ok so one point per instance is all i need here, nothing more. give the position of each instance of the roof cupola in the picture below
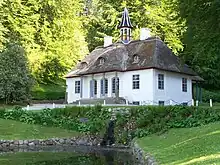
(125, 27)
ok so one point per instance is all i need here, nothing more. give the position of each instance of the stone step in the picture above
(108, 100)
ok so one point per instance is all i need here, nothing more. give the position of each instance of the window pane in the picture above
(115, 84)
(184, 84)
(136, 82)
(161, 102)
(95, 87)
(77, 86)
(160, 81)
(106, 86)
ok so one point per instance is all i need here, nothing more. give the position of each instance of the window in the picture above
(135, 59)
(84, 65)
(93, 88)
(115, 84)
(77, 86)
(104, 86)
(185, 104)
(160, 81)
(101, 60)
(184, 84)
(136, 82)
(161, 103)
(136, 103)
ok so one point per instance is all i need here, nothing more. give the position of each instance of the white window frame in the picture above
(77, 86)
(184, 84)
(136, 81)
(160, 81)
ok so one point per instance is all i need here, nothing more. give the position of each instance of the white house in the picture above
(141, 71)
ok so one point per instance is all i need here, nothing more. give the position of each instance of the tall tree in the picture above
(161, 16)
(202, 38)
(49, 31)
(15, 78)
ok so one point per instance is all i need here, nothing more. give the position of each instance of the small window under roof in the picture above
(84, 64)
(136, 58)
(101, 60)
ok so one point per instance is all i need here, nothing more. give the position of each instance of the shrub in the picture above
(132, 122)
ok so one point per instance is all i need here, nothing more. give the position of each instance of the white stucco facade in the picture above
(148, 92)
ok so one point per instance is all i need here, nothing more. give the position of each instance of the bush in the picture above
(48, 92)
(136, 122)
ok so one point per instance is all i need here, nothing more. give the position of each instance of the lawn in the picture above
(185, 146)
(14, 130)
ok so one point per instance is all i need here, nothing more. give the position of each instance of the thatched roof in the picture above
(151, 53)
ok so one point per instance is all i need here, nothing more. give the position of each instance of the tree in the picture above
(48, 30)
(161, 16)
(202, 38)
(15, 78)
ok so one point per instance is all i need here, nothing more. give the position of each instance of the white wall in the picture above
(145, 93)
(148, 92)
(70, 89)
(172, 88)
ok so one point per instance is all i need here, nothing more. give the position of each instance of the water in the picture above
(69, 156)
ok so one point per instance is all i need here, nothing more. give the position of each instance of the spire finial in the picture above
(125, 27)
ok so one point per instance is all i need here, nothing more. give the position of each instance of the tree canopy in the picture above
(50, 31)
(15, 78)
(55, 34)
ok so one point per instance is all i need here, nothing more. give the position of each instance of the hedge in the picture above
(133, 122)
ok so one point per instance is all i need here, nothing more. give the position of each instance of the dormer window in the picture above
(84, 65)
(136, 59)
(101, 61)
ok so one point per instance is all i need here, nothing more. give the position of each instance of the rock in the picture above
(21, 142)
(61, 141)
(36, 142)
(16, 142)
(26, 142)
(31, 144)
(49, 142)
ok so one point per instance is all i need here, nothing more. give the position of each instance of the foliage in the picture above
(160, 16)
(48, 92)
(202, 38)
(50, 32)
(15, 78)
(134, 122)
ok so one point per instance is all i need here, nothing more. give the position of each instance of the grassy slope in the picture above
(48, 92)
(29, 158)
(185, 146)
(16, 130)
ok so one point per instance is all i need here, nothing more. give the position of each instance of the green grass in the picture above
(32, 157)
(185, 146)
(10, 129)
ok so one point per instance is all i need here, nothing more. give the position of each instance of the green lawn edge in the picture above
(14, 130)
(185, 146)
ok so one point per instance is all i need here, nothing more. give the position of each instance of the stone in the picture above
(26, 142)
(16, 142)
(31, 144)
(61, 141)
(49, 142)
(21, 142)
(36, 142)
